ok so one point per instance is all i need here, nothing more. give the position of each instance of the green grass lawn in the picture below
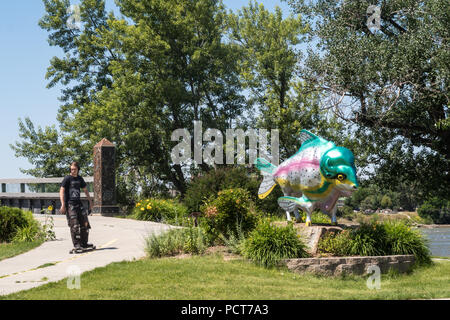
(8, 250)
(210, 277)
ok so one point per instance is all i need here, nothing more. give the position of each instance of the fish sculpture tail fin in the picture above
(268, 182)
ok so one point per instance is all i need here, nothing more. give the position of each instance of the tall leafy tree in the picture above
(136, 78)
(386, 63)
(269, 47)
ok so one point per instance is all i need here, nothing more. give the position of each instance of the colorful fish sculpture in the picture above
(313, 178)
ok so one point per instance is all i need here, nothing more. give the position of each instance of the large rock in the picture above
(336, 266)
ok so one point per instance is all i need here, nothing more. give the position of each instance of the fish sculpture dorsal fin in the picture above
(306, 136)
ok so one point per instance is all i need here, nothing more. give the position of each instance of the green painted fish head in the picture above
(339, 163)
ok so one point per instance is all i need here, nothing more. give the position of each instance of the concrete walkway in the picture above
(116, 240)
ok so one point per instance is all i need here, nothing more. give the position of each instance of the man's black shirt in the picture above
(72, 187)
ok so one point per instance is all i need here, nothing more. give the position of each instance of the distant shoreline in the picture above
(430, 226)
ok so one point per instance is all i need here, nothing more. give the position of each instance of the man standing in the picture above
(71, 205)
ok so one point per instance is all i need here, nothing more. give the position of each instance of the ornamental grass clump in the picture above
(176, 241)
(268, 244)
(369, 240)
(402, 239)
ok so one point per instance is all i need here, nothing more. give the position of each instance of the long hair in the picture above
(76, 164)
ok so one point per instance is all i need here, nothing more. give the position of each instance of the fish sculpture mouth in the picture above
(346, 189)
(347, 193)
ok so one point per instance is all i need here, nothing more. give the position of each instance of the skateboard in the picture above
(82, 250)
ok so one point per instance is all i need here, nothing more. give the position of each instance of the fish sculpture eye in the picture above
(341, 177)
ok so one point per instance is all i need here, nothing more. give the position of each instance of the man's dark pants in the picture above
(79, 224)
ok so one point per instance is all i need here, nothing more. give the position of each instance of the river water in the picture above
(439, 240)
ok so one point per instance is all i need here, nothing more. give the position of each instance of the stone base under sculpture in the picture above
(107, 211)
(356, 265)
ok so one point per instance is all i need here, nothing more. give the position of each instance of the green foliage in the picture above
(383, 97)
(17, 225)
(46, 232)
(235, 240)
(345, 212)
(230, 209)
(175, 241)
(11, 219)
(207, 185)
(437, 209)
(30, 231)
(373, 239)
(401, 239)
(369, 240)
(268, 59)
(370, 202)
(386, 202)
(337, 243)
(268, 244)
(396, 197)
(161, 210)
(49, 153)
(316, 217)
(134, 79)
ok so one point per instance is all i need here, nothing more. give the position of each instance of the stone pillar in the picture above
(105, 179)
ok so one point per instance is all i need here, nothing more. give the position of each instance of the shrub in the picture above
(11, 219)
(437, 209)
(30, 231)
(161, 210)
(345, 212)
(386, 202)
(186, 240)
(229, 209)
(268, 244)
(17, 225)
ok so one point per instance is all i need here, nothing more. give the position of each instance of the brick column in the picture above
(105, 179)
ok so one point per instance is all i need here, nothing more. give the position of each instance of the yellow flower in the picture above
(50, 208)
(149, 207)
(142, 209)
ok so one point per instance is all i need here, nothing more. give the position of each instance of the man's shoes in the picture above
(89, 246)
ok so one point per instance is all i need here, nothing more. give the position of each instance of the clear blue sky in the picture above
(24, 58)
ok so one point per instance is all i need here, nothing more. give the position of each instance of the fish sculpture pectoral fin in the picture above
(291, 203)
(287, 203)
